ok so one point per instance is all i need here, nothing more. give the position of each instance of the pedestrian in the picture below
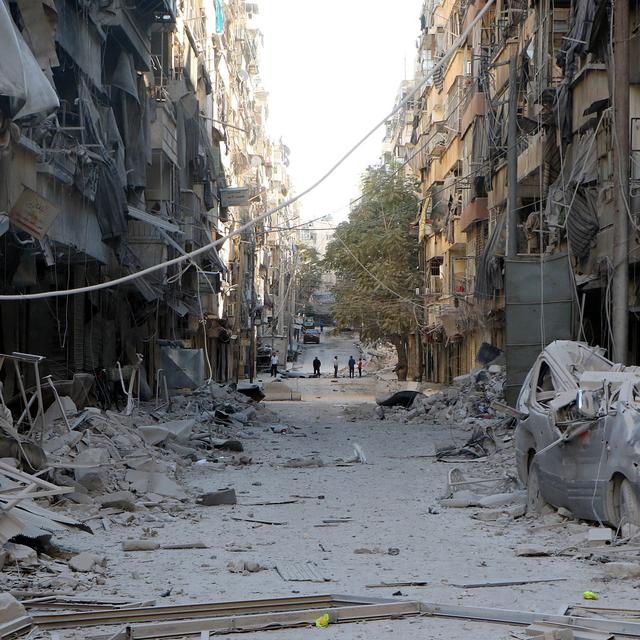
(335, 367)
(352, 367)
(316, 367)
(274, 364)
(360, 365)
(321, 327)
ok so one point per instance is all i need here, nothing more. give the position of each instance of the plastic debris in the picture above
(323, 621)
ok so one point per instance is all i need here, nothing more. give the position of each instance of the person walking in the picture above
(360, 365)
(321, 327)
(335, 367)
(274, 364)
(316, 367)
(352, 367)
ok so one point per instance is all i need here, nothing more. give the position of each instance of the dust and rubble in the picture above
(93, 469)
(291, 511)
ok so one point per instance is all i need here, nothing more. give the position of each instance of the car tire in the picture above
(623, 505)
(535, 502)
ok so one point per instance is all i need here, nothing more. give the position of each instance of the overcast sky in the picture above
(332, 70)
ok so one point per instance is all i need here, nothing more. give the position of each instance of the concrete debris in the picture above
(10, 609)
(302, 463)
(124, 500)
(599, 536)
(20, 554)
(222, 496)
(85, 562)
(622, 570)
(244, 566)
(176, 430)
(531, 551)
(140, 545)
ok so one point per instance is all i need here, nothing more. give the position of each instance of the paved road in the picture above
(343, 346)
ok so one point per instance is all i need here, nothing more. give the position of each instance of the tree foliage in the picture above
(375, 259)
(308, 274)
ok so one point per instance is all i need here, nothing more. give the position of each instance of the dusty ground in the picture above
(387, 501)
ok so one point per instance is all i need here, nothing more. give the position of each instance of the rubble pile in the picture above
(468, 401)
(104, 467)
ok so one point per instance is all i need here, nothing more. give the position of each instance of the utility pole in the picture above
(620, 92)
(252, 310)
(512, 160)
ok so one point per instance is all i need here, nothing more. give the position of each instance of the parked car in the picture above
(312, 336)
(578, 434)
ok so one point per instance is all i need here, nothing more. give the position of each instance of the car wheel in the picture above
(535, 502)
(624, 505)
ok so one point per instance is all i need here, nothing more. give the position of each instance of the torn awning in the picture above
(21, 78)
(154, 220)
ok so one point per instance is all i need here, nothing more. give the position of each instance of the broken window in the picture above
(545, 388)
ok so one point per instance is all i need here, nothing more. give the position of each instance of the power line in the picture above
(216, 243)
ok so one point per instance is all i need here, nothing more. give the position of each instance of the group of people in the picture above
(353, 365)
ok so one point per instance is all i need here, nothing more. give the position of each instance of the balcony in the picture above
(164, 136)
(477, 106)
(475, 211)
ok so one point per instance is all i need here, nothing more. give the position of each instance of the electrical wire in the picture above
(440, 64)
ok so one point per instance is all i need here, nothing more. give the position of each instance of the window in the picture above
(545, 389)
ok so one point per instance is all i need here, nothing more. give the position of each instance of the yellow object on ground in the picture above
(323, 621)
(590, 595)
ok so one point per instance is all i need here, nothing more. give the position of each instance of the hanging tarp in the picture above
(571, 202)
(21, 78)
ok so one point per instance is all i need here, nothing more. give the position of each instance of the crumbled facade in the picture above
(549, 64)
(136, 134)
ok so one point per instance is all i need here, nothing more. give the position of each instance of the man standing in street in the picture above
(352, 367)
(360, 365)
(316, 367)
(335, 367)
(274, 364)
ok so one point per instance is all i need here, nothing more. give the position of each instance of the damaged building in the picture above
(527, 180)
(131, 134)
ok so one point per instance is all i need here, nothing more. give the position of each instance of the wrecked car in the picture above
(578, 434)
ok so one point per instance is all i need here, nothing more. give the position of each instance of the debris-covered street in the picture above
(327, 490)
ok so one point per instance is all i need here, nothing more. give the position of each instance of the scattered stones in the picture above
(85, 562)
(531, 551)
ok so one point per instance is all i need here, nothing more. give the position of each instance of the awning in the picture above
(154, 220)
(212, 253)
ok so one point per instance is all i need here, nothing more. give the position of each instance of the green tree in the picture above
(308, 274)
(375, 260)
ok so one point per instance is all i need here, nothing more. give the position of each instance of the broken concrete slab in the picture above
(86, 562)
(178, 430)
(90, 460)
(154, 482)
(20, 554)
(10, 609)
(622, 570)
(222, 496)
(54, 413)
(599, 536)
(124, 500)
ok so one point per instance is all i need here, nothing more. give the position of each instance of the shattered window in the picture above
(545, 388)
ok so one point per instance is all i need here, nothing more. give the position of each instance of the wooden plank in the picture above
(257, 622)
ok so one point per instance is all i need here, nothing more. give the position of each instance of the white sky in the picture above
(332, 69)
